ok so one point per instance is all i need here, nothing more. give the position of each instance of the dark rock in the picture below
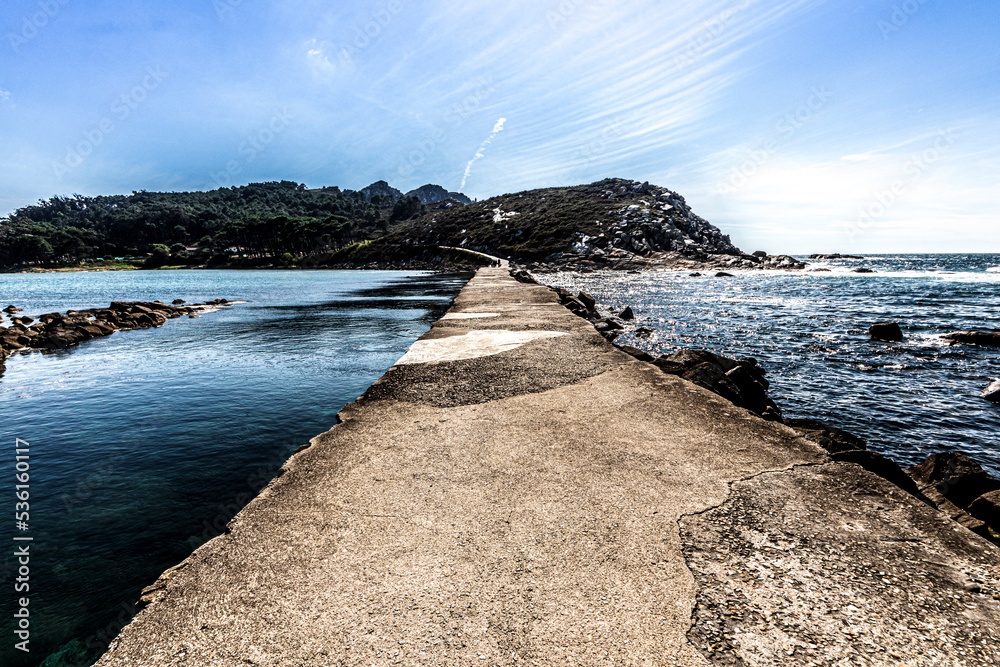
(10, 310)
(694, 275)
(883, 467)
(992, 392)
(587, 300)
(627, 314)
(60, 339)
(753, 395)
(522, 276)
(643, 332)
(755, 369)
(666, 365)
(612, 324)
(987, 508)
(691, 358)
(723, 274)
(759, 253)
(712, 377)
(988, 338)
(835, 255)
(178, 302)
(636, 352)
(864, 270)
(886, 331)
(576, 306)
(830, 438)
(957, 477)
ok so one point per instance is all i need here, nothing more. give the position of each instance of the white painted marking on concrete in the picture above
(477, 343)
(467, 316)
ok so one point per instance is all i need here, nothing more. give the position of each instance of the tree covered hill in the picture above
(285, 222)
(261, 219)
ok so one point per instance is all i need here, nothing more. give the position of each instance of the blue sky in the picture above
(795, 126)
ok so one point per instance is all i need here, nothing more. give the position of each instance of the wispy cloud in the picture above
(497, 129)
(683, 97)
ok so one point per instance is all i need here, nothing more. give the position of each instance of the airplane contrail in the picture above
(482, 147)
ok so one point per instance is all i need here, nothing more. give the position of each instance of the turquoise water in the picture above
(144, 444)
(809, 329)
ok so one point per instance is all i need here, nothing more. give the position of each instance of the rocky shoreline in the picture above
(949, 481)
(58, 331)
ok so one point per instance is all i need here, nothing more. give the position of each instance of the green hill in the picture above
(284, 223)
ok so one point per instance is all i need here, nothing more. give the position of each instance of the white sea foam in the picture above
(993, 269)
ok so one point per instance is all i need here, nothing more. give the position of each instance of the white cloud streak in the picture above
(497, 129)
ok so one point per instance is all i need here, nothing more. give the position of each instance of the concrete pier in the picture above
(517, 491)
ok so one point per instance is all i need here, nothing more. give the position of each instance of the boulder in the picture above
(957, 477)
(863, 270)
(886, 331)
(636, 352)
(753, 395)
(576, 306)
(988, 338)
(587, 300)
(883, 467)
(712, 377)
(723, 274)
(987, 508)
(10, 310)
(668, 366)
(830, 438)
(60, 339)
(835, 255)
(992, 392)
(755, 369)
(694, 275)
(644, 332)
(627, 314)
(178, 302)
(740, 381)
(691, 358)
(759, 253)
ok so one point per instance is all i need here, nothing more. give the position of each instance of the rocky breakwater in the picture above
(655, 227)
(950, 481)
(58, 331)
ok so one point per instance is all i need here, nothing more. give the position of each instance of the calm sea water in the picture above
(145, 443)
(810, 331)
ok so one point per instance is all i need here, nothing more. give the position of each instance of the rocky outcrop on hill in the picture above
(57, 331)
(654, 226)
(381, 188)
(611, 224)
(432, 194)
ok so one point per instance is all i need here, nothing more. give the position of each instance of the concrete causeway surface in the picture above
(517, 491)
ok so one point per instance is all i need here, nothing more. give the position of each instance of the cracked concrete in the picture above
(555, 503)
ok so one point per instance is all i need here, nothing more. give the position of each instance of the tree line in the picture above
(256, 220)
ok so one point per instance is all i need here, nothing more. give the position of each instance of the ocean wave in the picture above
(993, 269)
